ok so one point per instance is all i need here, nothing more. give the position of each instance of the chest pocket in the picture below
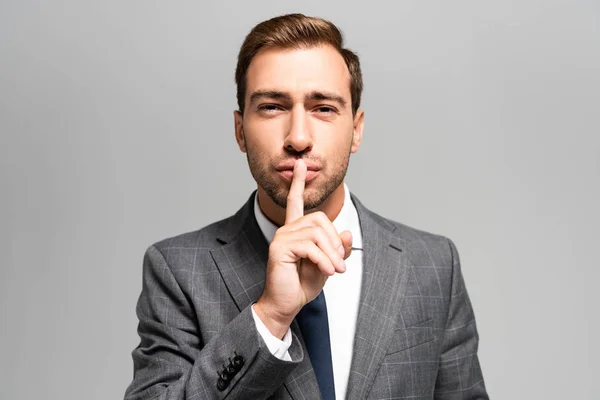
(412, 336)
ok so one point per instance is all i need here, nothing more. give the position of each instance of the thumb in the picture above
(346, 237)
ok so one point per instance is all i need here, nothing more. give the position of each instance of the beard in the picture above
(315, 193)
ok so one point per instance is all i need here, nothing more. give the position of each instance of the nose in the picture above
(299, 138)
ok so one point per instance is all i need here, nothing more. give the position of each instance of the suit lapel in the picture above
(382, 293)
(242, 258)
(242, 261)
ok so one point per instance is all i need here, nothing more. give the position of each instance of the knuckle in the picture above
(319, 233)
(337, 242)
(322, 237)
(307, 245)
(282, 230)
(320, 215)
(328, 236)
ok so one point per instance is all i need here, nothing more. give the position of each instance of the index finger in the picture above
(295, 201)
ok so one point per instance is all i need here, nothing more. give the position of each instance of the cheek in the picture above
(338, 141)
(264, 134)
(261, 148)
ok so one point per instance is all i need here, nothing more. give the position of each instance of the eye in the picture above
(269, 108)
(326, 110)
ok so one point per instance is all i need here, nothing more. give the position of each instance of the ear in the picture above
(238, 121)
(359, 124)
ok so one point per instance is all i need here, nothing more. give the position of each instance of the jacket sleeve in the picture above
(172, 362)
(459, 373)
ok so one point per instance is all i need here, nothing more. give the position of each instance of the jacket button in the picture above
(222, 384)
(230, 370)
(238, 361)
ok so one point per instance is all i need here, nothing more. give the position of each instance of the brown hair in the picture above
(295, 31)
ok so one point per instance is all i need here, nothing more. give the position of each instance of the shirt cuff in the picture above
(277, 347)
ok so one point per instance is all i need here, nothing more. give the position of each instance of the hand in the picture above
(305, 251)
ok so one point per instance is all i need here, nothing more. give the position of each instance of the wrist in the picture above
(276, 324)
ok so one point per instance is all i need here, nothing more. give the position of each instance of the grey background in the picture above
(482, 124)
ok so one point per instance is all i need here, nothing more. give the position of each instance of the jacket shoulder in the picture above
(406, 234)
(205, 238)
(409, 234)
(423, 246)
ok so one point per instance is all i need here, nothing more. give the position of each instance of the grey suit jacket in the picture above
(415, 336)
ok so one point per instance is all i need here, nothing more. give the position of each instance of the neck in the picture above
(331, 206)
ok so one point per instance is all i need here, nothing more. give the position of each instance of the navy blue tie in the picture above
(314, 326)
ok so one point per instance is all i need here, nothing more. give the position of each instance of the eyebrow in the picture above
(269, 94)
(312, 96)
(326, 96)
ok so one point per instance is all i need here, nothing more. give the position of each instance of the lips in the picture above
(286, 170)
(289, 165)
(289, 173)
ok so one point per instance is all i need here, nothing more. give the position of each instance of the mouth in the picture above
(288, 174)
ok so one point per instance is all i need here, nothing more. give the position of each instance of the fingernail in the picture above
(341, 251)
(343, 265)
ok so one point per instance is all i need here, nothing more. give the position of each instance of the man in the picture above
(304, 293)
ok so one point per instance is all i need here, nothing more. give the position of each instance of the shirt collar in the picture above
(347, 219)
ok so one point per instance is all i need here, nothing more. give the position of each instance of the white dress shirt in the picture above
(342, 294)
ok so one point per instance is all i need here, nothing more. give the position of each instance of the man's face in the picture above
(298, 105)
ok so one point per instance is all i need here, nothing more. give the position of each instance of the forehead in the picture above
(299, 71)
